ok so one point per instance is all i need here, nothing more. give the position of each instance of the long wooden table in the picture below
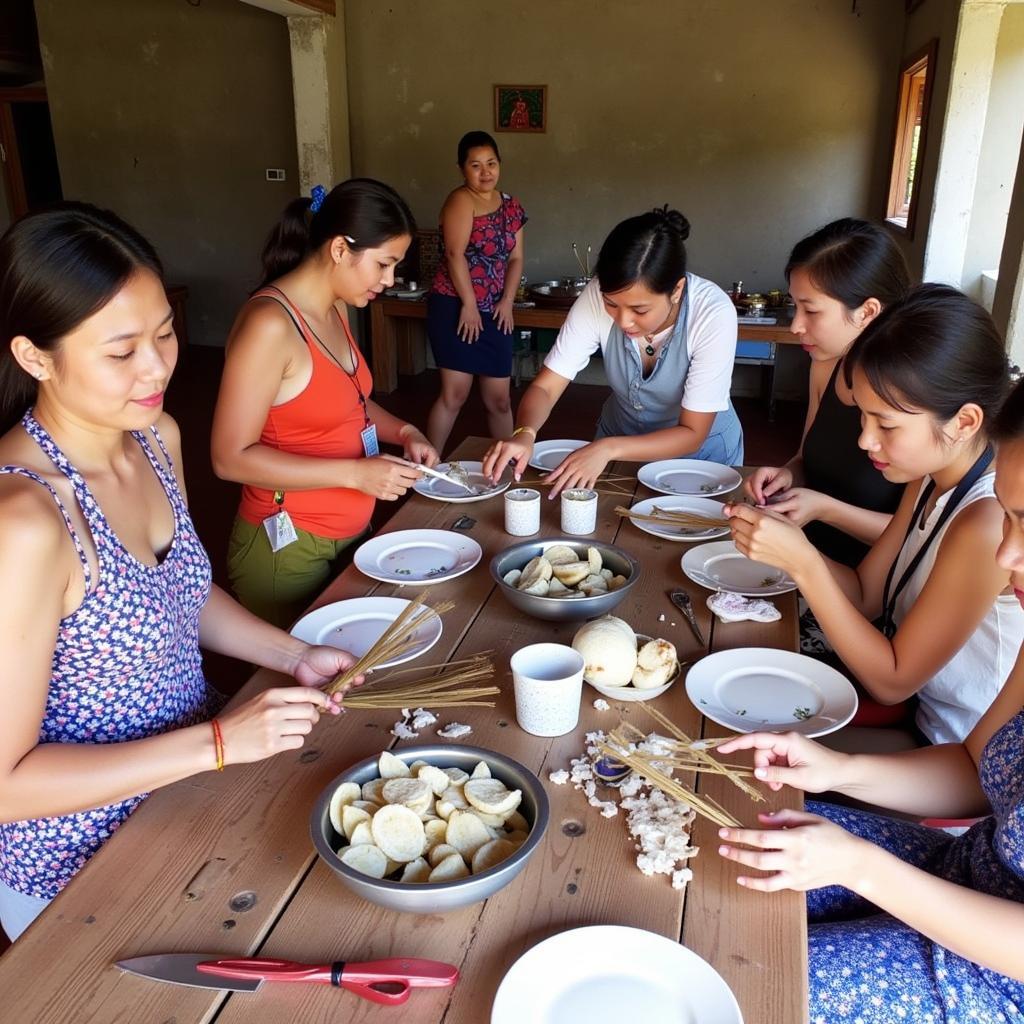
(224, 862)
(395, 348)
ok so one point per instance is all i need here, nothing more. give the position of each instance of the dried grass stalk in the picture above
(675, 517)
(449, 688)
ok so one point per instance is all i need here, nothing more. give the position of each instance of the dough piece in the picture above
(467, 833)
(368, 860)
(492, 854)
(350, 817)
(512, 577)
(435, 778)
(391, 767)
(344, 795)
(439, 852)
(362, 834)
(417, 870)
(560, 554)
(399, 833)
(595, 561)
(492, 796)
(374, 790)
(571, 573)
(450, 869)
(412, 793)
(481, 770)
(536, 569)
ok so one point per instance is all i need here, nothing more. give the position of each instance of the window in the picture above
(908, 147)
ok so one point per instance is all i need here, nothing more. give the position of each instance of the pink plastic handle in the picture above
(268, 969)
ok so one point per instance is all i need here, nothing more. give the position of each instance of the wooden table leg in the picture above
(382, 349)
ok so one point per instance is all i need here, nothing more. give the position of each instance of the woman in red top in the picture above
(295, 424)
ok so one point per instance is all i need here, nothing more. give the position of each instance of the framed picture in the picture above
(520, 108)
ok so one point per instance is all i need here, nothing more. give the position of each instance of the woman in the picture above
(469, 311)
(668, 339)
(928, 375)
(840, 278)
(908, 922)
(295, 424)
(103, 690)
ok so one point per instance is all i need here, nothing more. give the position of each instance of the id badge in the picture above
(280, 530)
(369, 439)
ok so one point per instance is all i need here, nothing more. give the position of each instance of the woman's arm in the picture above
(936, 626)
(456, 229)
(802, 505)
(256, 362)
(803, 851)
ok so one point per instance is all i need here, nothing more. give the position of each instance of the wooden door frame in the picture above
(16, 195)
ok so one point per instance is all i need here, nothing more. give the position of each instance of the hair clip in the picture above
(349, 239)
(319, 194)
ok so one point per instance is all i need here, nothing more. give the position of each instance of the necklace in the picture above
(649, 348)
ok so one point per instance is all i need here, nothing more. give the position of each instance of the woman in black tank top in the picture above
(840, 277)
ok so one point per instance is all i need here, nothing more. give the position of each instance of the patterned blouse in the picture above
(126, 665)
(490, 245)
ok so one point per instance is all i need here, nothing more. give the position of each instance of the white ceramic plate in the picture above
(548, 455)
(719, 566)
(753, 688)
(445, 490)
(357, 624)
(702, 506)
(689, 476)
(609, 974)
(417, 556)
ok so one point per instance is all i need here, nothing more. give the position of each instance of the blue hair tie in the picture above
(319, 194)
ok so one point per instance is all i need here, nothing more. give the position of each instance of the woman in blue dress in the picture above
(668, 342)
(909, 923)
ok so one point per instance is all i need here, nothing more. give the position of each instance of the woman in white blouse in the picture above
(668, 340)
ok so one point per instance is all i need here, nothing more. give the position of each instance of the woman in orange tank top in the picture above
(295, 424)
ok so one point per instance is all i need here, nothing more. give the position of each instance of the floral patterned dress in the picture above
(490, 247)
(126, 665)
(874, 969)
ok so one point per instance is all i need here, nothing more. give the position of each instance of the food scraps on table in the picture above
(454, 731)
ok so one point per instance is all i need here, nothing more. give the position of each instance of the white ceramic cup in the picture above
(579, 511)
(522, 511)
(548, 682)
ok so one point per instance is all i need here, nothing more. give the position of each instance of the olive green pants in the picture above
(279, 585)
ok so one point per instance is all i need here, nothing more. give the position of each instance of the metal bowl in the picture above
(435, 897)
(564, 609)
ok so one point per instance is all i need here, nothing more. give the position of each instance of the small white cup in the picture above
(522, 511)
(548, 682)
(579, 511)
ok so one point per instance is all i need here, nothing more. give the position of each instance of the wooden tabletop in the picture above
(224, 862)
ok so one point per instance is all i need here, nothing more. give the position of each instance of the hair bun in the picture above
(674, 220)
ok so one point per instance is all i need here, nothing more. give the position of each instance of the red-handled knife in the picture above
(388, 982)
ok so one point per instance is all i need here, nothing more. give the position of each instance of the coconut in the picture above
(608, 646)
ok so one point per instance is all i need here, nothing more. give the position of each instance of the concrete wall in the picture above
(760, 121)
(169, 114)
(1000, 150)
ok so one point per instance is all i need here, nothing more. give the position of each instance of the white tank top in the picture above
(953, 700)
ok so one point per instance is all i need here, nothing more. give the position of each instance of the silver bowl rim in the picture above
(573, 542)
(323, 848)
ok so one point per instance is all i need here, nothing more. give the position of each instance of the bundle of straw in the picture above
(618, 485)
(683, 754)
(396, 640)
(444, 689)
(675, 517)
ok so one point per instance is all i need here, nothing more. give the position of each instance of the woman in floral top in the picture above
(469, 311)
(101, 682)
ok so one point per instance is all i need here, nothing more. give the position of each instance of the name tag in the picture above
(369, 439)
(280, 530)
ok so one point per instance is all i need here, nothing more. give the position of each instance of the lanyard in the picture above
(890, 596)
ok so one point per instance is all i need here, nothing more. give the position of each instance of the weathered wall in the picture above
(169, 114)
(760, 121)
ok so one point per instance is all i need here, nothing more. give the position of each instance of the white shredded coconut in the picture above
(601, 704)
(421, 718)
(658, 823)
(403, 732)
(454, 731)
(661, 617)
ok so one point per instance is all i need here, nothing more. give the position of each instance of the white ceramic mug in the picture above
(522, 511)
(579, 511)
(548, 682)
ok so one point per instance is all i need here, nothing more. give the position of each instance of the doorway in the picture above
(27, 150)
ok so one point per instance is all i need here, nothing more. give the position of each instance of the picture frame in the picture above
(520, 108)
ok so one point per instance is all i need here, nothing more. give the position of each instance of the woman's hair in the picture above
(935, 350)
(852, 261)
(58, 267)
(648, 249)
(471, 140)
(1009, 422)
(365, 212)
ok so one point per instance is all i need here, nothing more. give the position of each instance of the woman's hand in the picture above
(516, 449)
(470, 324)
(278, 719)
(386, 477)
(790, 759)
(800, 505)
(580, 468)
(766, 481)
(503, 314)
(767, 537)
(418, 449)
(318, 665)
(800, 851)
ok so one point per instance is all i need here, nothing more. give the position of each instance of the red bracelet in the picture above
(218, 743)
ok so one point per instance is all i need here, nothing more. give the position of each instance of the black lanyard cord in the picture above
(891, 595)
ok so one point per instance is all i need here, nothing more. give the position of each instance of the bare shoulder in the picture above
(34, 530)
(458, 199)
(263, 331)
